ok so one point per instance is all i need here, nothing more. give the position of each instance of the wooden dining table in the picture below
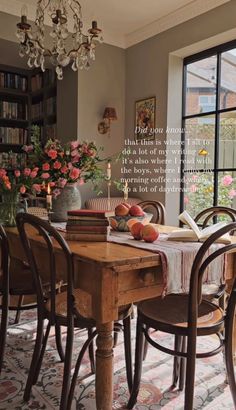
(114, 275)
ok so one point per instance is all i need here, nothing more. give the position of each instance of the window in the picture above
(209, 123)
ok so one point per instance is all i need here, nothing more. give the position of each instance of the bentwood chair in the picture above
(203, 219)
(157, 209)
(70, 308)
(189, 316)
(15, 282)
(208, 214)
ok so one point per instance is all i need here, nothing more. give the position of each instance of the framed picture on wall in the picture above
(145, 111)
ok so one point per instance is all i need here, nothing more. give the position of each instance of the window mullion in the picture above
(217, 128)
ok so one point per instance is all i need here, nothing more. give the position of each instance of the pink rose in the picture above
(52, 184)
(27, 172)
(3, 173)
(62, 182)
(46, 166)
(64, 169)
(74, 173)
(74, 144)
(232, 193)
(52, 153)
(36, 187)
(22, 189)
(17, 173)
(75, 159)
(70, 166)
(186, 200)
(57, 165)
(193, 188)
(36, 169)
(45, 175)
(74, 153)
(33, 174)
(227, 180)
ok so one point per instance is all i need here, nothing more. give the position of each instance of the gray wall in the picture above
(147, 64)
(103, 85)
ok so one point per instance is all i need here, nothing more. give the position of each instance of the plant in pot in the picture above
(64, 168)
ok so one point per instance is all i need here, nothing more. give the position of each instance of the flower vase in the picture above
(68, 200)
(9, 207)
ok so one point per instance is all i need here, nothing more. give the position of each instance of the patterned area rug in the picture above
(211, 392)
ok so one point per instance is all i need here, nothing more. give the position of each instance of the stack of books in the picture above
(88, 225)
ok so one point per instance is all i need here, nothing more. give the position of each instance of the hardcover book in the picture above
(90, 213)
(194, 234)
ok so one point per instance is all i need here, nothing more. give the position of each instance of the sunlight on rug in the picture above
(211, 392)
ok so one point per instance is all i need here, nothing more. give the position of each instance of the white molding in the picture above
(191, 10)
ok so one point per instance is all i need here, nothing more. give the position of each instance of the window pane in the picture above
(227, 189)
(200, 143)
(228, 79)
(199, 192)
(227, 140)
(201, 86)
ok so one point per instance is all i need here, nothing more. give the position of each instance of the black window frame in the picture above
(214, 51)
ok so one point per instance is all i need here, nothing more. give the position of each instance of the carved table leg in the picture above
(104, 367)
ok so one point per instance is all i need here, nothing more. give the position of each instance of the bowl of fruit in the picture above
(127, 215)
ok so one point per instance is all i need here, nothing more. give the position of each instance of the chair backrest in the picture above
(208, 214)
(4, 260)
(52, 242)
(202, 260)
(37, 211)
(157, 209)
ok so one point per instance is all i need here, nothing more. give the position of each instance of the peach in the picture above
(136, 229)
(121, 210)
(127, 205)
(149, 233)
(136, 210)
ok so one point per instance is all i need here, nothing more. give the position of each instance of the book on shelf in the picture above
(36, 82)
(13, 81)
(194, 234)
(13, 110)
(37, 110)
(87, 237)
(10, 135)
(89, 213)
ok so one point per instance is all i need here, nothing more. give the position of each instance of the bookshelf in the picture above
(26, 98)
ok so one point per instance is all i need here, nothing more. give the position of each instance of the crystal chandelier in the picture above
(61, 12)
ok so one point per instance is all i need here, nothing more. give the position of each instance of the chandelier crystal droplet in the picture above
(61, 13)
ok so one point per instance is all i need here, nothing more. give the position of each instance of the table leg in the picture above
(104, 366)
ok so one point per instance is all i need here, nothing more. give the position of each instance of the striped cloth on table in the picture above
(177, 259)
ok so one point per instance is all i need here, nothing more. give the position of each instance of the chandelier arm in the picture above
(47, 52)
(75, 50)
(45, 7)
(78, 19)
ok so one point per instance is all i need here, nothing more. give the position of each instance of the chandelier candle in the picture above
(61, 14)
(49, 199)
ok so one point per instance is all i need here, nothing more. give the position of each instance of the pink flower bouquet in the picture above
(59, 165)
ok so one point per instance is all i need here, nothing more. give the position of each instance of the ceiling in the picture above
(127, 22)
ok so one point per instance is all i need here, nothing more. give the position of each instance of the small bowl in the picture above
(124, 223)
